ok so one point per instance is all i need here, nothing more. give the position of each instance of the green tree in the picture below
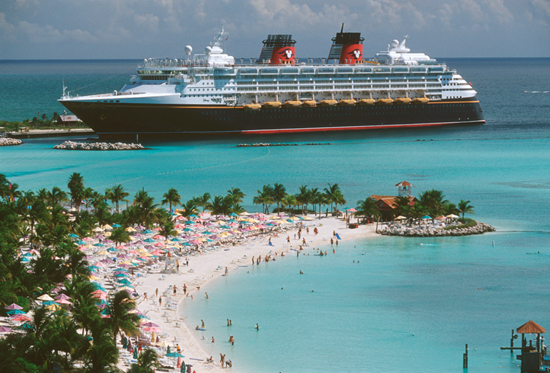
(116, 194)
(172, 197)
(147, 362)
(203, 201)
(76, 188)
(278, 193)
(367, 208)
(303, 197)
(119, 235)
(189, 207)
(120, 317)
(465, 208)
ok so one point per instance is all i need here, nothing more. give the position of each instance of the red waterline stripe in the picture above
(355, 128)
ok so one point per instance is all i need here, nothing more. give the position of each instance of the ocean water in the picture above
(409, 304)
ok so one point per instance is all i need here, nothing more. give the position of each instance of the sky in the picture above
(136, 29)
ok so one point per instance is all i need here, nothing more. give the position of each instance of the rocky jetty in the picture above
(71, 145)
(7, 141)
(429, 231)
(279, 144)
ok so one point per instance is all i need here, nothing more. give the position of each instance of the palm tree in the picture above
(119, 235)
(102, 356)
(303, 197)
(433, 200)
(403, 206)
(116, 194)
(368, 207)
(236, 195)
(172, 197)
(189, 207)
(140, 196)
(56, 196)
(221, 205)
(264, 197)
(202, 201)
(289, 201)
(450, 208)
(339, 198)
(120, 318)
(465, 208)
(147, 362)
(278, 193)
(76, 188)
(331, 193)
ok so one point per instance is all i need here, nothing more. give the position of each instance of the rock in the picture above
(71, 145)
(419, 231)
(8, 141)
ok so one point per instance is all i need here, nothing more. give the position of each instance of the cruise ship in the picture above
(214, 93)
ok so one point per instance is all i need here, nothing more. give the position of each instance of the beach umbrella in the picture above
(23, 317)
(149, 324)
(147, 231)
(151, 329)
(45, 297)
(400, 217)
(174, 354)
(130, 229)
(15, 312)
(27, 326)
(116, 225)
(72, 235)
(62, 296)
(5, 329)
(13, 306)
(452, 216)
(426, 217)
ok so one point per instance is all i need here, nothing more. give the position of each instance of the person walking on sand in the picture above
(175, 289)
(157, 292)
(184, 289)
(287, 239)
(160, 301)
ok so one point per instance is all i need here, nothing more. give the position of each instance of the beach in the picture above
(208, 267)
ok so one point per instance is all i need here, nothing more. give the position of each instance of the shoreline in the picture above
(51, 133)
(205, 268)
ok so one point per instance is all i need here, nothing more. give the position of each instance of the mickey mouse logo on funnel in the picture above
(283, 56)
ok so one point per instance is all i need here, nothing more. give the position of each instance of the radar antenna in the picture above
(220, 38)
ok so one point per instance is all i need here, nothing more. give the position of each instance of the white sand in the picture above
(209, 266)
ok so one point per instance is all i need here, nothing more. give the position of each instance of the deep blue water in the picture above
(447, 292)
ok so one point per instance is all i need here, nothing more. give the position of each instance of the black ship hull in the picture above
(120, 120)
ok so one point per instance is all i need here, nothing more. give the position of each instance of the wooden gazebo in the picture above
(531, 356)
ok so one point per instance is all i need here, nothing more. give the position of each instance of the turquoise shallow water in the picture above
(446, 292)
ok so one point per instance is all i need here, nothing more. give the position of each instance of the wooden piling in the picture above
(465, 358)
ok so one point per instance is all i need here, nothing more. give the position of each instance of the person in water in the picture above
(257, 326)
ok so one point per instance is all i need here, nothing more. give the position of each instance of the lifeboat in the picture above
(328, 103)
(366, 101)
(252, 107)
(310, 103)
(403, 100)
(271, 105)
(421, 100)
(347, 102)
(384, 101)
(293, 104)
